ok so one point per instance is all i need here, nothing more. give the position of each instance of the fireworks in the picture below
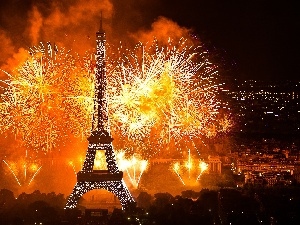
(24, 170)
(190, 170)
(46, 98)
(158, 97)
(134, 166)
(176, 169)
(203, 167)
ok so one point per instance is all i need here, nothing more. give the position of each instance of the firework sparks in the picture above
(188, 169)
(12, 172)
(36, 172)
(163, 94)
(24, 171)
(134, 166)
(203, 167)
(46, 99)
(76, 164)
(71, 164)
(176, 169)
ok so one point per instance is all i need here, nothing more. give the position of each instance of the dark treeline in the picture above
(31, 208)
(250, 205)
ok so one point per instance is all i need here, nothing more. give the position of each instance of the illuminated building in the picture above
(96, 216)
(110, 179)
(214, 164)
(265, 109)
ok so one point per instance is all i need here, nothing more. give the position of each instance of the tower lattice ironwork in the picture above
(100, 140)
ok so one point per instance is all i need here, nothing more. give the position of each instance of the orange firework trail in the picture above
(188, 169)
(134, 166)
(24, 170)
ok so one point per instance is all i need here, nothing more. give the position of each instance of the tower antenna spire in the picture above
(101, 28)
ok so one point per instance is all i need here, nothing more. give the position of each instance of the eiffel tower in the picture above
(100, 140)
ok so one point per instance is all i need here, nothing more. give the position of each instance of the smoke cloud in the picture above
(162, 30)
(6, 49)
(35, 25)
(72, 24)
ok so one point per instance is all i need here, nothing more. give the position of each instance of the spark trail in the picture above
(189, 171)
(23, 170)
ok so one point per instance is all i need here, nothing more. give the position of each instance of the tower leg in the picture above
(118, 188)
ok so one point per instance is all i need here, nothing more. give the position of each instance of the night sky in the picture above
(257, 39)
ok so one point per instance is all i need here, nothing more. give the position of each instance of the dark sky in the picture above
(258, 36)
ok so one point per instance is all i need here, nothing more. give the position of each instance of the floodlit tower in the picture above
(110, 179)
